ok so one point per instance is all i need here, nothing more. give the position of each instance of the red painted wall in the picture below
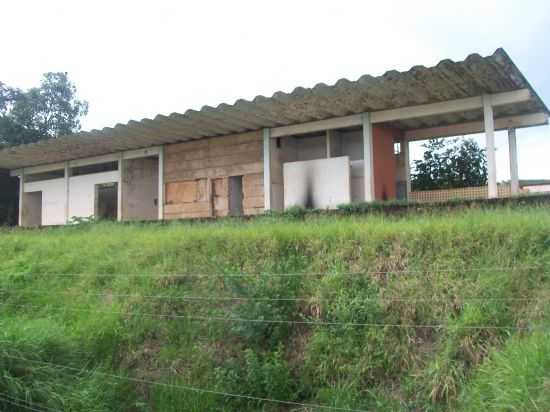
(384, 162)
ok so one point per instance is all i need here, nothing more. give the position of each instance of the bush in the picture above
(263, 376)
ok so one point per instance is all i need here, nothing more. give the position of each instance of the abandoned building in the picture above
(316, 147)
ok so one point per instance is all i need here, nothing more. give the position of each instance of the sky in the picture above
(134, 59)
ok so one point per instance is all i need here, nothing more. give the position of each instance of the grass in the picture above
(86, 297)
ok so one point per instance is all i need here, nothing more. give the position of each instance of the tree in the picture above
(450, 163)
(44, 112)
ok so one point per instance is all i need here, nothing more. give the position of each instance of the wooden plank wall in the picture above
(196, 175)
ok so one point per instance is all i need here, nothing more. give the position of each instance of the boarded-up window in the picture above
(187, 191)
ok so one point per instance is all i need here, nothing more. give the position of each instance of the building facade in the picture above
(316, 147)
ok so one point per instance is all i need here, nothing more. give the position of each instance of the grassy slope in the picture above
(96, 319)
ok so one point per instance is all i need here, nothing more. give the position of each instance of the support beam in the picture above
(462, 129)
(266, 133)
(112, 157)
(450, 106)
(490, 147)
(161, 188)
(368, 157)
(317, 126)
(327, 141)
(432, 109)
(513, 150)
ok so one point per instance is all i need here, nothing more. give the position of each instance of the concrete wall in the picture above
(196, 175)
(32, 211)
(321, 183)
(343, 143)
(140, 188)
(82, 192)
(53, 202)
(81, 198)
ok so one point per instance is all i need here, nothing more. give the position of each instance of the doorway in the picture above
(32, 209)
(235, 195)
(106, 201)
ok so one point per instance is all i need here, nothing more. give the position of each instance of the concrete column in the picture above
(368, 157)
(67, 192)
(406, 157)
(513, 150)
(21, 191)
(328, 138)
(161, 185)
(119, 193)
(267, 168)
(489, 123)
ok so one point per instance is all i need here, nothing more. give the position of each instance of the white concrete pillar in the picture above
(21, 191)
(328, 138)
(67, 192)
(489, 123)
(406, 158)
(161, 188)
(513, 150)
(267, 168)
(119, 192)
(368, 157)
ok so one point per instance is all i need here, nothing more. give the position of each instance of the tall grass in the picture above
(85, 297)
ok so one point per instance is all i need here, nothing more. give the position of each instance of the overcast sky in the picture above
(135, 59)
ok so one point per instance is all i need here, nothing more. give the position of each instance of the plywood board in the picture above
(181, 192)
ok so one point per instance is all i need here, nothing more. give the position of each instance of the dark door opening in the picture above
(235, 195)
(9, 199)
(106, 201)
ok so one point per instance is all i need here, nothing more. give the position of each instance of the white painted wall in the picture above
(53, 199)
(31, 214)
(82, 192)
(321, 183)
(537, 188)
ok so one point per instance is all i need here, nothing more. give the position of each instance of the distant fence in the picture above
(463, 193)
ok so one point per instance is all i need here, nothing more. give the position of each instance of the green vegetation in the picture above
(88, 297)
(450, 163)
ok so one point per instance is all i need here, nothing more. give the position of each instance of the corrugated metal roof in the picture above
(448, 80)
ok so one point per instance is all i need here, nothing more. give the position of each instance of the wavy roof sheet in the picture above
(448, 80)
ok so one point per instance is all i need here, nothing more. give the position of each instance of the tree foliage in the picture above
(450, 163)
(45, 112)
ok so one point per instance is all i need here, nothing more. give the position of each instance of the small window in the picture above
(94, 168)
(397, 148)
(37, 177)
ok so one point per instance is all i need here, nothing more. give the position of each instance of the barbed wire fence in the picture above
(12, 290)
